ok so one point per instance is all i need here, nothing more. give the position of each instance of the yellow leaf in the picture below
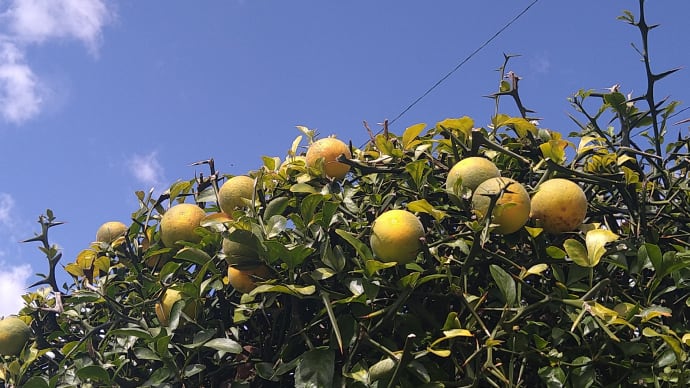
(462, 125)
(596, 241)
(536, 269)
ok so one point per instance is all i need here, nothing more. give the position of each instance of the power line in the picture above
(494, 36)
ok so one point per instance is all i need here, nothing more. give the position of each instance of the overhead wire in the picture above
(459, 65)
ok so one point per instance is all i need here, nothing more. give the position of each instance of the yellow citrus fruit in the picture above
(559, 206)
(512, 207)
(245, 279)
(395, 236)
(164, 306)
(109, 231)
(179, 222)
(14, 334)
(471, 172)
(329, 148)
(237, 252)
(235, 193)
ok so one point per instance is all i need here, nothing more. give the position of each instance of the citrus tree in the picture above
(545, 259)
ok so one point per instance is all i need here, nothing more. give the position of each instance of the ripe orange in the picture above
(244, 279)
(235, 193)
(512, 208)
(14, 334)
(179, 222)
(559, 206)
(110, 231)
(329, 149)
(395, 236)
(471, 172)
(164, 306)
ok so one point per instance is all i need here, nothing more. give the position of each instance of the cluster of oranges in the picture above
(558, 205)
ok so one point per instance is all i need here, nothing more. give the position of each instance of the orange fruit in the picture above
(471, 172)
(110, 231)
(164, 306)
(235, 193)
(329, 149)
(14, 335)
(245, 279)
(512, 208)
(395, 236)
(179, 222)
(559, 205)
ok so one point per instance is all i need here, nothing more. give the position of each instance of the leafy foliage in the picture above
(604, 305)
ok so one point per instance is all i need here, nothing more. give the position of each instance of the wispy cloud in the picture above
(13, 282)
(32, 22)
(6, 206)
(146, 169)
(20, 95)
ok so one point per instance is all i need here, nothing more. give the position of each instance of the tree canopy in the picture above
(605, 304)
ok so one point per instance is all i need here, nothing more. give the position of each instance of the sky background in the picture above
(100, 98)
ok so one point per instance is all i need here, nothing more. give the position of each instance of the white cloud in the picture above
(35, 21)
(146, 169)
(6, 206)
(20, 96)
(27, 22)
(13, 284)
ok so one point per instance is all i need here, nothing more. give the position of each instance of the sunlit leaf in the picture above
(423, 206)
(411, 133)
(536, 269)
(596, 241)
(461, 126)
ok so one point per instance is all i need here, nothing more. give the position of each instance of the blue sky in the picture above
(99, 98)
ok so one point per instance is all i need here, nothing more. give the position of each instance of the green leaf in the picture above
(577, 252)
(555, 252)
(452, 321)
(271, 163)
(520, 125)
(505, 283)
(460, 126)
(316, 369)
(159, 376)
(552, 376)
(132, 331)
(653, 253)
(373, 266)
(34, 382)
(225, 345)
(193, 369)
(423, 206)
(411, 133)
(275, 226)
(276, 206)
(95, 373)
(417, 170)
(334, 320)
(309, 205)
(193, 255)
(363, 251)
(303, 188)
